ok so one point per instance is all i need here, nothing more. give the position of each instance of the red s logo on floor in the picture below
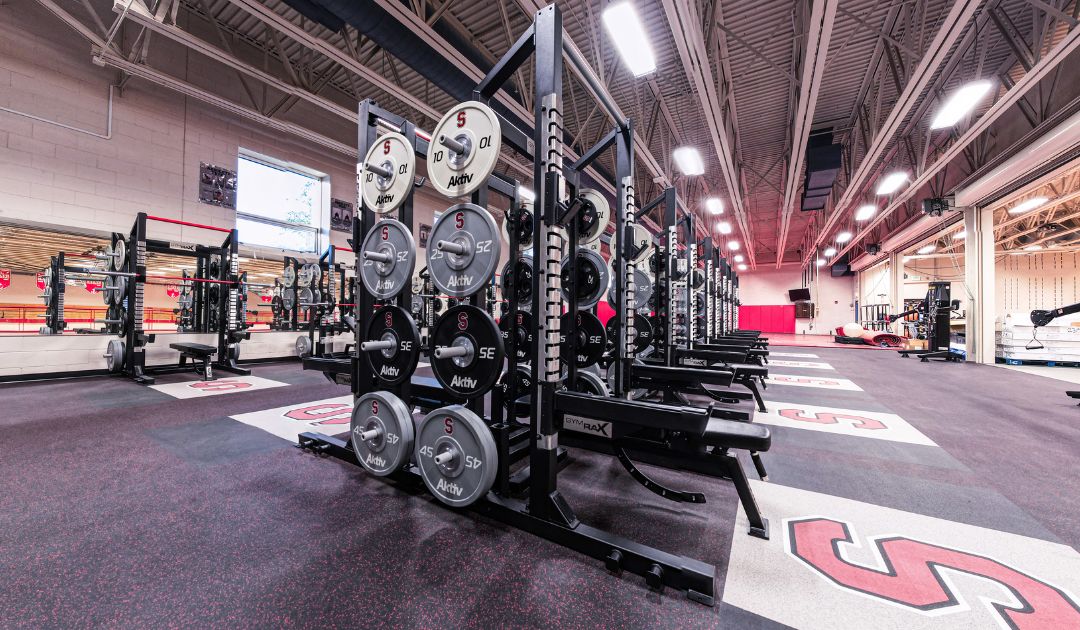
(219, 386)
(912, 575)
(824, 417)
(326, 413)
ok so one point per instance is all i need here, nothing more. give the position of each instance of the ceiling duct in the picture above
(823, 161)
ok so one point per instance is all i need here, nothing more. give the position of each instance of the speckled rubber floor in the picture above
(123, 507)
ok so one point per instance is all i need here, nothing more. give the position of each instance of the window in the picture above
(278, 207)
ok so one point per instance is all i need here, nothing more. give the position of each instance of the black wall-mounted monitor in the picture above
(798, 295)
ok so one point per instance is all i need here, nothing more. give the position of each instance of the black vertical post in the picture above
(626, 208)
(363, 380)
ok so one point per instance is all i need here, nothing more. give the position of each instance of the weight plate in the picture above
(463, 250)
(395, 364)
(699, 278)
(456, 455)
(643, 329)
(593, 219)
(46, 294)
(466, 351)
(302, 346)
(306, 297)
(382, 433)
(640, 238)
(114, 355)
(316, 273)
(524, 227)
(118, 255)
(288, 275)
(523, 276)
(393, 155)
(417, 305)
(474, 127)
(288, 299)
(524, 340)
(436, 305)
(636, 393)
(120, 292)
(392, 252)
(591, 383)
(642, 289)
(304, 276)
(591, 338)
(524, 387)
(592, 278)
(47, 276)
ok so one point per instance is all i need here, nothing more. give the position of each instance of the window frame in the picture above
(321, 214)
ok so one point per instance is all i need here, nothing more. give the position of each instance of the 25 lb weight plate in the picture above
(392, 345)
(466, 351)
(698, 278)
(382, 433)
(464, 149)
(386, 177)
(523, 384)
(593, 219)
(463, 250)
(522, 270)
(591, 339)
(305, 275)
(389, 254)
(524, 342)
(456, 454)
(119, 290)
(306, 296)
(591, 383)
(591, 281)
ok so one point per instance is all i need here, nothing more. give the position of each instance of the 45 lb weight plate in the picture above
(456, 455)
(466, 351)
(591, 339)
(393, 344)
(386, 177)
(382, 433)
(463, 250)
(389, 254)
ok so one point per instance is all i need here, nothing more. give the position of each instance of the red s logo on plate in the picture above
(913, 576)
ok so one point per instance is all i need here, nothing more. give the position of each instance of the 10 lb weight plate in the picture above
(389, 254)
(382, 433)
(591, 281)
(386, 177)
(464, 149)
(463, 250)
(392, 345)
(524, 341)
(591, 338)
(466, 351)
(456, 454)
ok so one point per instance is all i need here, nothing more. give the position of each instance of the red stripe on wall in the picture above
(777, 319)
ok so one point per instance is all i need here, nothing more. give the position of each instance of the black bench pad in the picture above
(199, 350)
(733, 434)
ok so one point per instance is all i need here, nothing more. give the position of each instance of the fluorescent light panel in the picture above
(892, 183)
(724, 227)
(865, 212)
(829, 251)
(526, 194)
(960, 104)
(733, 245)
(959, 236)
(714, 205)
(689, 161)
(1028, 206)
(628, 34)
(843, 237)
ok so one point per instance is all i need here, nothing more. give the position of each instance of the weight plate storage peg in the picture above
(592, 278)
(591, 338)
(456, 454)
(386, 177)
(302, 346)
(466, 351)
(463, 250)
(114, 355)
(524, 340)
(389, 254)
(593, 219)
(523, 276)
(524, 227)
(392, 345)
(382, 433)
(464, 149)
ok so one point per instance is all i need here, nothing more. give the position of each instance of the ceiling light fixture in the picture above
(892, 183)
(626, 31)
(526, 194)
(742, 267)
(689, 161)
(829, 252)
(739, 258)
(724, 227)
(733, 245)
(960, 104)
(959, 236)
(714, 205)
(843, 237)
(1028, 206)
(865, 212)
(1033, 248)
(820, 262)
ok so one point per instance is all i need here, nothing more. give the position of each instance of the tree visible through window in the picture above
(277, 207)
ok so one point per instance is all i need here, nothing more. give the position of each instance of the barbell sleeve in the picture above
(449, 352)
(370, 434)
(376, 346)
(452, 247)
(382, 257)
(452, 144)
(378, 169)
(445, 456)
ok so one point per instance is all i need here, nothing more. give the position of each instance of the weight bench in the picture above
(201, 356)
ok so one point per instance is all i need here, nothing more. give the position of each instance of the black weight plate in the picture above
(524, 341)
(591, 338)
(592, 278)
(642, 325)
(467, 327)
(523, 277)
(395, 365)
(524, 387)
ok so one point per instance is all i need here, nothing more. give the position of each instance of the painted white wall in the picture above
(832, 297)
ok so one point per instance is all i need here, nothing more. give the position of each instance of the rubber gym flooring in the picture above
(901, 495)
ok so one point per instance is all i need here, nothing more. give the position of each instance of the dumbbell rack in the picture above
(545, 512)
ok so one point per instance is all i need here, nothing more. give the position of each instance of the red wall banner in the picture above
(5, 278)
(774, 319)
